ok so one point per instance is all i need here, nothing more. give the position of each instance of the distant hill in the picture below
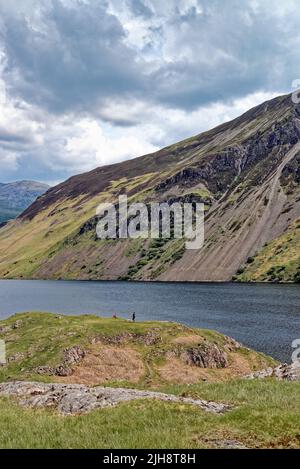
(15, 197)
(246, 172)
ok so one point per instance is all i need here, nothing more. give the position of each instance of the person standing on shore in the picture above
(133, 317)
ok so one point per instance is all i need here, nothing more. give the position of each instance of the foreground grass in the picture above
(267, 414)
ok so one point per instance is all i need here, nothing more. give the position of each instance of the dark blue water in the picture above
(265, 317)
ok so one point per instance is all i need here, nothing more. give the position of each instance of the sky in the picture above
(84, 83)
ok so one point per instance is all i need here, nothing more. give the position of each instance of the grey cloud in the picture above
(7, 137)
(228, 55)
(78, 57)
(73, 62)
(65, 59)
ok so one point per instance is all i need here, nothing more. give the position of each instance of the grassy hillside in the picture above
(116, 350)
(265, 413)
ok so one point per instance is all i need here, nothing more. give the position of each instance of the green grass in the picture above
(44, 336)
(267, 414)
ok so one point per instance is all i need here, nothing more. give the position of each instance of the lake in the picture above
(264, 317)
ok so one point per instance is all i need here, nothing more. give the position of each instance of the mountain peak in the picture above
(245, 171)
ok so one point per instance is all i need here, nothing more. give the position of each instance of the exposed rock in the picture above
(246, 168)
(17, 356)
(76, 398)
(205, 356)
(73, 355)
(281, 372)
(17, 196)
(17, 324)
(45, 370)
(78, 401)
(5, 329)
(63, 370)
(225, 444)
(231, 344)
(150, 338)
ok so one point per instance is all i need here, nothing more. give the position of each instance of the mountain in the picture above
(15, 197)
(246, 172)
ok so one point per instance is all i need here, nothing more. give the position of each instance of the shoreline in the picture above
(177, 282)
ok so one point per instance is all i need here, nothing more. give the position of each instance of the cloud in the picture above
(8, 161)
(140, 8)
(89, 82)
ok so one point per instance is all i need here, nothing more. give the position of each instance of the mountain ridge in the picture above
(18, 195)
(188, 143)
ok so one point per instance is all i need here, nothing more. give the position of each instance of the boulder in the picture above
(72, 356)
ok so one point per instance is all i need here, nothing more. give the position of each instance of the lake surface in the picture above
(264, 317)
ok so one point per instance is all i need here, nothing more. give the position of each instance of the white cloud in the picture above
(99, 148)
(8, 160)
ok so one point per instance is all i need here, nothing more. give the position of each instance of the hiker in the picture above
(133, 317)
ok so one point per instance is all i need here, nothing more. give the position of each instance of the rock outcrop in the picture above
(72, 356)
(76, 398)
(281, 372)
(16, 325)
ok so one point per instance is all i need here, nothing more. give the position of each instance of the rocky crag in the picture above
(246, 172)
